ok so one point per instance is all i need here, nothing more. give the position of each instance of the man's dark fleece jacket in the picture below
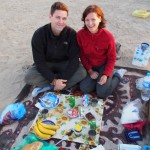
(55, 49)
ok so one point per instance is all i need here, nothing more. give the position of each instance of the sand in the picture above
(19, 20)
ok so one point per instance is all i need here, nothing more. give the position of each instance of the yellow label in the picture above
(78, 127)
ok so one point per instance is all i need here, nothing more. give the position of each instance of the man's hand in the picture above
(103, 80)
(60, 84)
(93, 74)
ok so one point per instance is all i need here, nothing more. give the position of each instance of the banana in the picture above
(40, 134)
(48, 126)
(45, 130)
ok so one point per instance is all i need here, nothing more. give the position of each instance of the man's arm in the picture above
(39, 49)
(73, 55)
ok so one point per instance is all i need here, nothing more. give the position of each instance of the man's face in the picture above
(58, 21)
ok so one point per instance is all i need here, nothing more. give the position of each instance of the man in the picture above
(55, 53)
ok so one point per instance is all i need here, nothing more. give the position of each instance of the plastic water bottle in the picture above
(141, 55)
(145, 94)
(137, 54)
(146, 53)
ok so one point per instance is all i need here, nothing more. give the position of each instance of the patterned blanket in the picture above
(111, 134)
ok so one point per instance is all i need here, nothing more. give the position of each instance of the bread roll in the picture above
(33, 146)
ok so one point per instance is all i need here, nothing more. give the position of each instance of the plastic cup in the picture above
(94, 102)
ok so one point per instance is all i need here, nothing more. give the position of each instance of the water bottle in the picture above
(146, 53)
(141, 55)
(137, 54)
(145, 94)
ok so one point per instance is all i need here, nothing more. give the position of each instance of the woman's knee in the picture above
(103, 93)
(85, 88)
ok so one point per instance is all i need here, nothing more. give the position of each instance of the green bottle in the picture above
(92, 124)
(72, 101)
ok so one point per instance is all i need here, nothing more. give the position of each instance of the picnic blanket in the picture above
(111, 134)
(61, 116)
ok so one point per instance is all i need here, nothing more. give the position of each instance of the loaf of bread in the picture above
(33, 146)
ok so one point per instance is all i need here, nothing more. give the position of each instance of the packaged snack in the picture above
(89, 116)
(85, 100)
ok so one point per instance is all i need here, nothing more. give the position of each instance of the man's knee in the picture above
(32, 77)
(29, 79)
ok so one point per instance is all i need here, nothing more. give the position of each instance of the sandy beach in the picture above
(19, 20)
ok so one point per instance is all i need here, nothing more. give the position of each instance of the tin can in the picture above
(92, 134)
(94, 102)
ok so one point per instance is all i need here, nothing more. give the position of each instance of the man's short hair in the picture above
(58, 6)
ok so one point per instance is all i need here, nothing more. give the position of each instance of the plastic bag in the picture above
(141, 13)
(12, 112)
(30, 138)
(130, 113)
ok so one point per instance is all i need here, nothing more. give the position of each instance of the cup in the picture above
(92, 134)
(44, 113)
(94, 102)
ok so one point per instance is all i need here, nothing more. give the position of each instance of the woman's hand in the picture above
(93, 74)
(103, 80)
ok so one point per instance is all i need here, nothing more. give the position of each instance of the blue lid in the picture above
(148, 74)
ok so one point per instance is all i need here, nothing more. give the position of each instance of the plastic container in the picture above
(78, 130)
(139, 83)
(145, 93)
(128, 147)
(145, 147)
(141, 55)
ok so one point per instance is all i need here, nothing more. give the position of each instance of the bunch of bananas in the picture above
(44, 131)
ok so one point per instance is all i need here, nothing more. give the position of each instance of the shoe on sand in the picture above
(118, 46)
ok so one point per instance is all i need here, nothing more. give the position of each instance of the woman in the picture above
(98, 54)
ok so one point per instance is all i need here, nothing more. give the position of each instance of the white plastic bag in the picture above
(130, 113)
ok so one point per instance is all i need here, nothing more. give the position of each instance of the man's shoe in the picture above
(38, 90)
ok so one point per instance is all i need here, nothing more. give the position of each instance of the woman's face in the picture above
(92, 22)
